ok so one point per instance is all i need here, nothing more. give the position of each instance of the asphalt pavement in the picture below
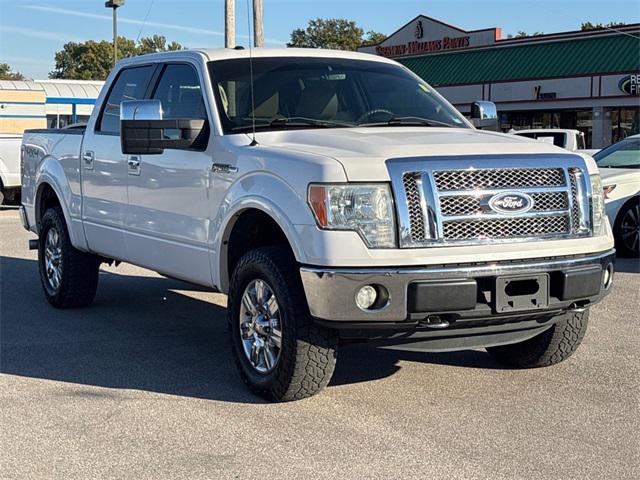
(142, 385)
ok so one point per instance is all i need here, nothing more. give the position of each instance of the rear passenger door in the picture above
(104, 167)
(169, 194)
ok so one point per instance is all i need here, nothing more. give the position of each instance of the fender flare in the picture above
(241, 198)
(49, 174)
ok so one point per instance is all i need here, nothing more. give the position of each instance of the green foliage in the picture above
(597, 26)
(92, 60)
(7, 74)
(374, 38)
(333, 33)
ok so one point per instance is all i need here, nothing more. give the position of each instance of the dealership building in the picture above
(585, 80)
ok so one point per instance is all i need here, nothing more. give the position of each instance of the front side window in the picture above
(293, 92)
(180, 93)
(131, 84)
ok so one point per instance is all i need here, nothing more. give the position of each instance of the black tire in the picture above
(78, 280)
(308, 352)
(625, 229)
(550, 347)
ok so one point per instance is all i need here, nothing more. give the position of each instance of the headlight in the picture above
(366, 209)
(598, 216)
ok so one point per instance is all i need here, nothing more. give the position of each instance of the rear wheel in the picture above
(280, 352)
(550, 347)
(627, 229)
(69, 277)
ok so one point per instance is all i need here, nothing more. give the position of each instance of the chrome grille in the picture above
(575, 207)
(506, 227)
(473, 205)
(410, 182)
(441, 203)
(498, 178)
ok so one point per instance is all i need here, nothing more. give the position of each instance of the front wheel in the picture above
(627, 229)
(281, 353)
(548, 348)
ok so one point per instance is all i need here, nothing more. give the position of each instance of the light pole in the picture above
(115, 4)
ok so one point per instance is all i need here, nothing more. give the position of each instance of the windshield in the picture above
(624, 154)
(296, 92)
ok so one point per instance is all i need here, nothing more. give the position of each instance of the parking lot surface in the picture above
(142, 385)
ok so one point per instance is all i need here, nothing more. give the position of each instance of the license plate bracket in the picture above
(518, 293)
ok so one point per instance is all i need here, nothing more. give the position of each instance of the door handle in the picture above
(133, 165)
(88, 159)
(223, 168)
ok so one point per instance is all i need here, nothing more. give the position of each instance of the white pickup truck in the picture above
(332, 196)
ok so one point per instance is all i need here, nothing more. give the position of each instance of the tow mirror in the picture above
(484, 115)
(143, 131)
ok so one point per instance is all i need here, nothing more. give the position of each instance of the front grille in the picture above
(506, 227)
(412, 191)
(498, 178)
(441, 206)
(473, 205)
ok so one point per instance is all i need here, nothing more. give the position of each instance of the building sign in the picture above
(630, 84)
(424, 35)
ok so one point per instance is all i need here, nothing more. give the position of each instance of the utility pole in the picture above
(115, 4)
(229, 23)
(258, 27)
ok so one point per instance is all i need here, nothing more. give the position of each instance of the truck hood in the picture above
(363, 151)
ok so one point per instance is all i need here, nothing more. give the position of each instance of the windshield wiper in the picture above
(408, 121)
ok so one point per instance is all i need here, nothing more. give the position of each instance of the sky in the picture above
(31, 31)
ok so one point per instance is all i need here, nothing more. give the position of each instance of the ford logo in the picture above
(511, 202)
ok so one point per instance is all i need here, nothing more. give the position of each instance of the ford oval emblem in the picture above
(511, 203)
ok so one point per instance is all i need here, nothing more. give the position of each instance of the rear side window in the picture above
(180, 93)
(131, 84)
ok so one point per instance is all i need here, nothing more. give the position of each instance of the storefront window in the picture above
(624, 123)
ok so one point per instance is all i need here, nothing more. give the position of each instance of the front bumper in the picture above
(457, 293)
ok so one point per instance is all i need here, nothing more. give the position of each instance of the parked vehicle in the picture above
(620, 169)
(9, 167)
(332, 195)
(568, 139)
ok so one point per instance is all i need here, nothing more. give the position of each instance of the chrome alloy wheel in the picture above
(630, 228)
(260, 326)
(53, 258)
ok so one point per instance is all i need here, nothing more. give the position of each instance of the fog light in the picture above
(607, 278)
(366, 297)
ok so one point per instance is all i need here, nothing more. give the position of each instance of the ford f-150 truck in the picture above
(333, 196)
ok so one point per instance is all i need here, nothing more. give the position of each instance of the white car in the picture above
(9, 166)
(619, 167)
(331, 195)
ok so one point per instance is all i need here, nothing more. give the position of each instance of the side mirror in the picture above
(143, 131)
(484, 115)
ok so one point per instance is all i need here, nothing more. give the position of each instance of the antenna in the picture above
(254, 142)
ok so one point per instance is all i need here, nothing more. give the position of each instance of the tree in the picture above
(598, 26)
(92, 60)
(156, 43)
(374, 38)
(335, 33)
(7, 74)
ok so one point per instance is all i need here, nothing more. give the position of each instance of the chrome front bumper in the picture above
(331, 292)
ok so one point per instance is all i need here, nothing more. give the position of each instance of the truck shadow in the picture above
(153, 334)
